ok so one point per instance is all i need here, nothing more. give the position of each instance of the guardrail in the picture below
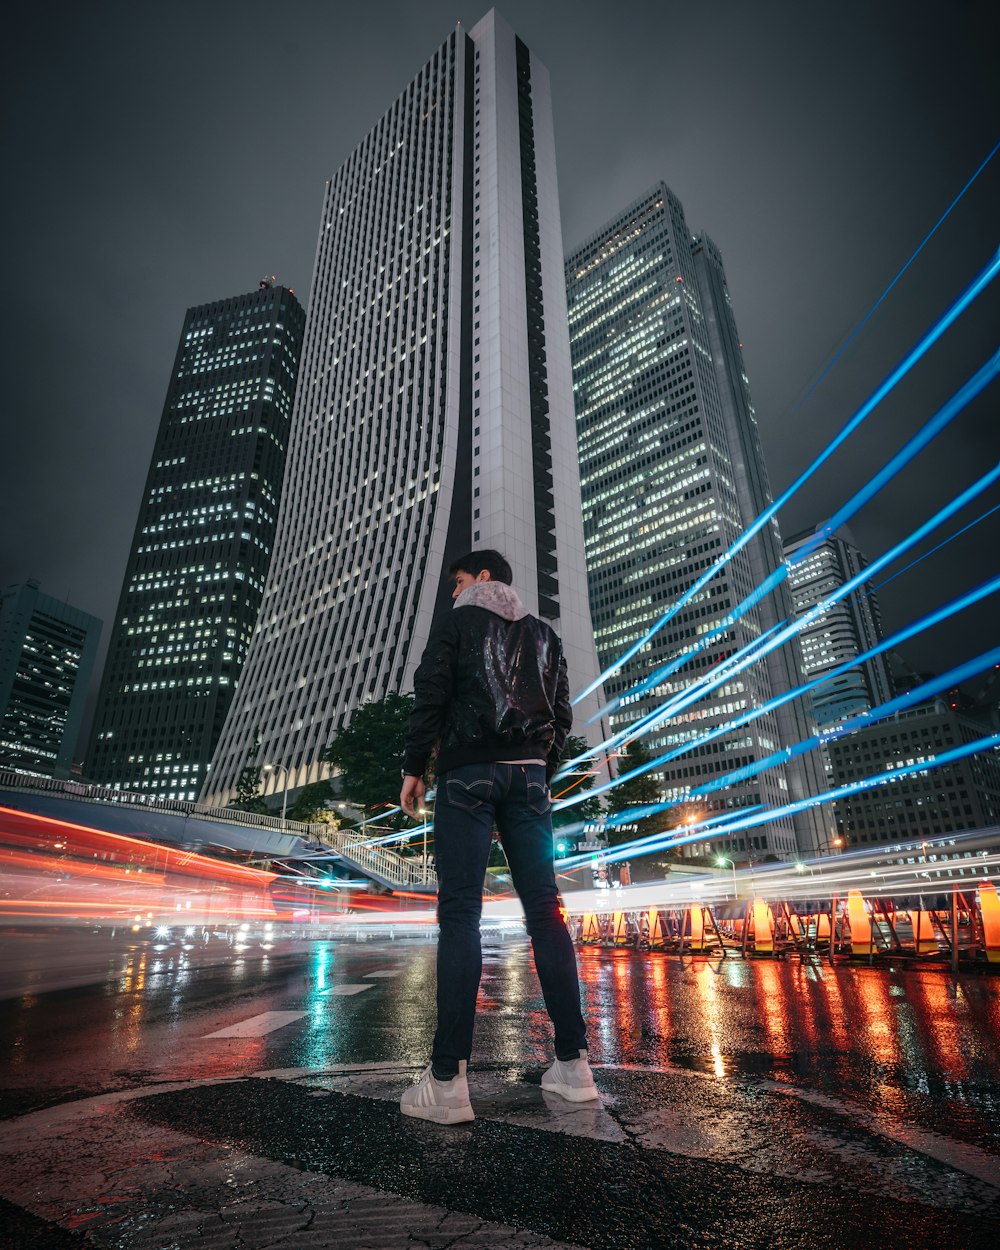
(962, 926)
(376, 861)
(88, 793)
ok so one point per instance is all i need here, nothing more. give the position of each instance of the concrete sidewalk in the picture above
(321, 1158)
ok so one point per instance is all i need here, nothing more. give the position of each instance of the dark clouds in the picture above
(161, 155)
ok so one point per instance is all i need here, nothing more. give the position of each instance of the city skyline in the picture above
(817, 195)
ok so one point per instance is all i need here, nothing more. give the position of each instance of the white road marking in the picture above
(257, 1026)
(347, 989)
(387, 972)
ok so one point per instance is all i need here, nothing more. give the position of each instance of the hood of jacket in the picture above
(495, 597)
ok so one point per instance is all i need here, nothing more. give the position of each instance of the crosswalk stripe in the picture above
(386, 972)
(257, 1026)
(348, 989)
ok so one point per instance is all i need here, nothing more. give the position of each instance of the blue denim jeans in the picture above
(469, 801)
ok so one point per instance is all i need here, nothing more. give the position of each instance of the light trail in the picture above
(797, 692)
(975, 288)
(874, 308)
(919, 694)
(912, 448)
(951, 538)
(926, 434)
(750, 654)
(700, 830)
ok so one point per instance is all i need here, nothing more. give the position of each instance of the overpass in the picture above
(197, 826)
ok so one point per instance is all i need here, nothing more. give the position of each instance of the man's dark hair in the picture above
(474, 563)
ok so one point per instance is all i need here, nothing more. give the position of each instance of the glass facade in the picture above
(843, 632)
(202, 545)
(434, 400)
(672, 472)
(47, 651)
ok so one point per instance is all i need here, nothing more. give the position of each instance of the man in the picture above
(492, 695)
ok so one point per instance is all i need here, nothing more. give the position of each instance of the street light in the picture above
(270, 768)
(423, 815)
(721, 861)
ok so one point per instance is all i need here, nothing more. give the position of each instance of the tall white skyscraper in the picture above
(434, 410)
(843, 632)
(672, 473)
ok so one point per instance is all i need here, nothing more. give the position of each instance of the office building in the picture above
(961, 795)
(672, 472)
(47, 651)
(843, 632)
(202, 545)
(434, 411)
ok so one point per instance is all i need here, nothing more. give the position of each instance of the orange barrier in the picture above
(924, 937)
(656, 930)
(989, 910)
(590, 930)
(857, 917)
(761, 929)
(693, 928)
(773, 930)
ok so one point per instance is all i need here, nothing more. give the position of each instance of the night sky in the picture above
(163, 155)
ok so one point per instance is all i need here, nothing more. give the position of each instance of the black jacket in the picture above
(491, 685)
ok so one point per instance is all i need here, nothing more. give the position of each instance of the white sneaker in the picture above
(571, 1078)
(444, 1102)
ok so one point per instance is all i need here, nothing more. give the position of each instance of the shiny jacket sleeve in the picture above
(433, 688)
(563, 710)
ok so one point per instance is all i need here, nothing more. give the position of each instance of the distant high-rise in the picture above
(435, 409)
(202, 545)
(843, 632)
(47, 651)
(672, 472)
(964, 794)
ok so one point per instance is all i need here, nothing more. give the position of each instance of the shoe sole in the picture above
(573, 1093)
(440, 1115)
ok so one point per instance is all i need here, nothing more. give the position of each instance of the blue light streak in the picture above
(957, 534)
(701, 831)
(874, 308)
(931, 428)
(753, 652)
(929, 431)
(975, 288)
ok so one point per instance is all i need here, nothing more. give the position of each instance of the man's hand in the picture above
(411, 796)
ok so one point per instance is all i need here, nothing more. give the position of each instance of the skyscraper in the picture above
(47, 651)
(202, 545)
(435, 408)
(843, 632)
(672, 472)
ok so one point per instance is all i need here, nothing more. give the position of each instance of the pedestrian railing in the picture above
(354, 848)
(377, 861)
(86, 792)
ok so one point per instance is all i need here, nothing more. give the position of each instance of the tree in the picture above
(580, 777)
(248, 796)
(311, 802)
(638, 791)
(369, 752)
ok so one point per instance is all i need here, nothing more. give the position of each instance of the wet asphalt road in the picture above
(745, 1103)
